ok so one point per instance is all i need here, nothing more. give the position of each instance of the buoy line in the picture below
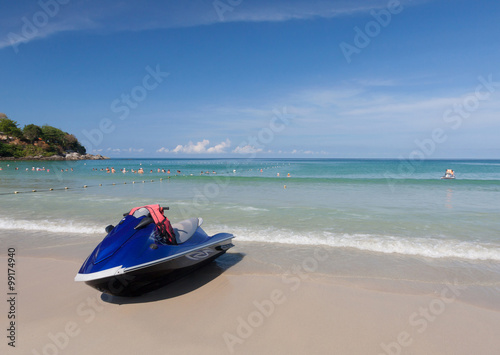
(76, 188)
(227, 173)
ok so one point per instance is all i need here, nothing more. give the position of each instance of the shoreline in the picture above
(351, 267)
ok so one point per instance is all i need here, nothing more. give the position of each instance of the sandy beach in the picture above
(238, 307)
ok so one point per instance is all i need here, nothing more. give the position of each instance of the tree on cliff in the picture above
(56, 140)
(32, 132)
(53, 135)
(9, 127)
(71, 143)
(5, 150)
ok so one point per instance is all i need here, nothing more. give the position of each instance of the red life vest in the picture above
(162, 223)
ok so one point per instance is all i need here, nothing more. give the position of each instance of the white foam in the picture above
(55, 226)
(251, 209)
(246, 208)
(430, 247)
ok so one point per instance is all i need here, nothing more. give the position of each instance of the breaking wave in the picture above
(430, 247)
(55, 226)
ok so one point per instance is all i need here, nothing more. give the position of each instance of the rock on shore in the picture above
(78, 156)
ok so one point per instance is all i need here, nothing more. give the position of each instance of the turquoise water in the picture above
(379, 206)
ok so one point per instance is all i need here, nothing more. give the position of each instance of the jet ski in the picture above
(449, 174)
(145, 251)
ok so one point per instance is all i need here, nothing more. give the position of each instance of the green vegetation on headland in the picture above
(34, 142)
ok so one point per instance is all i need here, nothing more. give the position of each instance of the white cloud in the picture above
(219, 148)
(125, 150)
(275, 11)
(327, 97)
(199, 147)
(247, 149)
(107, 15)
(412, 105)
(305, 152)
(24, 27)
(202, 147)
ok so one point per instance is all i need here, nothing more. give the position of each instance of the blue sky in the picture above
(402, 79)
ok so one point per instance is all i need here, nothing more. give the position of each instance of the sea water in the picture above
(372, 216)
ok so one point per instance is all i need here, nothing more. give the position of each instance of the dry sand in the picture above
(216, 311)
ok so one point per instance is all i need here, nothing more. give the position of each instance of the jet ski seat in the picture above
(185, 229)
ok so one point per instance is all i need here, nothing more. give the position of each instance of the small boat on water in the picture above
(449, 174)
(144, 252)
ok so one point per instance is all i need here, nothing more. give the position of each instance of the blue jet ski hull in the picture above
(131, 262)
